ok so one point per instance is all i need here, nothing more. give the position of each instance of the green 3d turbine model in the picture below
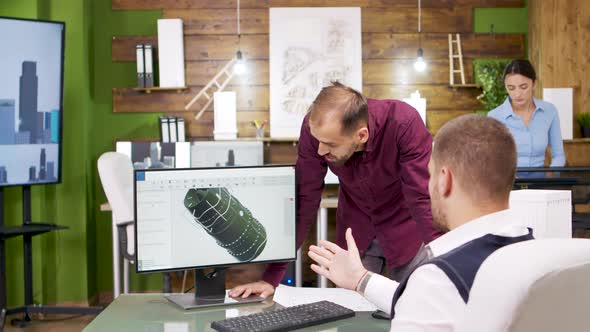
(227, 221)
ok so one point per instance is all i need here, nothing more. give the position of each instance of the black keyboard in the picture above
(285, 319)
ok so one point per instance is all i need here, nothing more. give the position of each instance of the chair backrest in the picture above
(537, 285)
(116, 174)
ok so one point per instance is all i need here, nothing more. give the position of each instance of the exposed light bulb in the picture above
(420, 64)
(239, 66)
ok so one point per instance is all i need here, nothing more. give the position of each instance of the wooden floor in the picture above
(54, 323)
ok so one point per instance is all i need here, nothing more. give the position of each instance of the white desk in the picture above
(152, 312)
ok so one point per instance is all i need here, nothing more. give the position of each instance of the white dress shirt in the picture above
(431, 302)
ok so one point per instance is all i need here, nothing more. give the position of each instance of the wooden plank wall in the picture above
(559, 35)
(389, 40)
(390, 44)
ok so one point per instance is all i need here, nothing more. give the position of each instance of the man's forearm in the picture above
(274, 273)
(310, 174)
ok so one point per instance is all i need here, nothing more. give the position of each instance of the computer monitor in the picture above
(226, 153)
(213, 218)
(31, 101)
(234, 153)
(146, 155)
(547, 212)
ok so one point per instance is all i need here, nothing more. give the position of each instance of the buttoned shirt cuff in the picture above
(379, 291)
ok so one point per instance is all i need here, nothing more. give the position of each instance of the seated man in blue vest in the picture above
(472, 169)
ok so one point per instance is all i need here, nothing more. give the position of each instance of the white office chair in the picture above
(538, 285)
(116, 174)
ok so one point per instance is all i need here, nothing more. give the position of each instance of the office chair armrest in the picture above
(122, 228)
(125, 223)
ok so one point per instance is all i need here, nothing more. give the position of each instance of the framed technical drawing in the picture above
(309, 48)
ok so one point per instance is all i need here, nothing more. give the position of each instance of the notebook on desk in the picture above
(291, 296)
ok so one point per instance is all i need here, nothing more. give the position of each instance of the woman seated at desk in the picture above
(533, 123)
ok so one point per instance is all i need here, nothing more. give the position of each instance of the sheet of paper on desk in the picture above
(290, 296)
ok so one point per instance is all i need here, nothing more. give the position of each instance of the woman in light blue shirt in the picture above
(533, 123)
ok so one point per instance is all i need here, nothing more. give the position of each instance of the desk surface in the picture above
(539, 178)
(153, 313)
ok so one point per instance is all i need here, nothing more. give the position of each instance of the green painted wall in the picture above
(505, 20)
(22, 9)
(60, 259)
(107, 126)
(13, 207)
(75, 264)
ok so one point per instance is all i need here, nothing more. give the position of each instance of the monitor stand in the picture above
(209, 291)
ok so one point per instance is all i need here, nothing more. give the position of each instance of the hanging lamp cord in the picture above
(419, 16)
(419, 24)
(238, 24)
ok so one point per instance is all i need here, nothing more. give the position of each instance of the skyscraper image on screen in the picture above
(31, 85)
(148, 155)
(228, 221)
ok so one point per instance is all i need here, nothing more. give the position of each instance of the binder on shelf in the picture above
(224, 115)
(164, 129)
(180, 129)
(171, 53)
(149, 65)
(139, 50)
(172, 128)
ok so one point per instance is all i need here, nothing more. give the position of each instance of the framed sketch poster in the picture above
(309, 48)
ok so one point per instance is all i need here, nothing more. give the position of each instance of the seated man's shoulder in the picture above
(431, 290)
(428, 274)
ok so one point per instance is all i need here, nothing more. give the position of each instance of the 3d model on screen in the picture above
(227, 220)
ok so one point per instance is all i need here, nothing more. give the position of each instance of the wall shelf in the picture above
(577, 140)
(268, 139)
(158, 89)
(211, 139)
(467, 85)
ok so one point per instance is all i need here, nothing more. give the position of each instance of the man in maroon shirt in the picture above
(379, 149)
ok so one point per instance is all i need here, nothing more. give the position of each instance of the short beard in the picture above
(439, 218)
(439, 221)
(341, 162)
(440, 225)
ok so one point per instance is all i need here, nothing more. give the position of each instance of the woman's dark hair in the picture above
(522, 67)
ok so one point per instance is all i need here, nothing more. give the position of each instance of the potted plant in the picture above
(488, 73)
(584, 121)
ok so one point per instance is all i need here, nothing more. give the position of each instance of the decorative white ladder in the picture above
(216, 84)
(452, 56)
